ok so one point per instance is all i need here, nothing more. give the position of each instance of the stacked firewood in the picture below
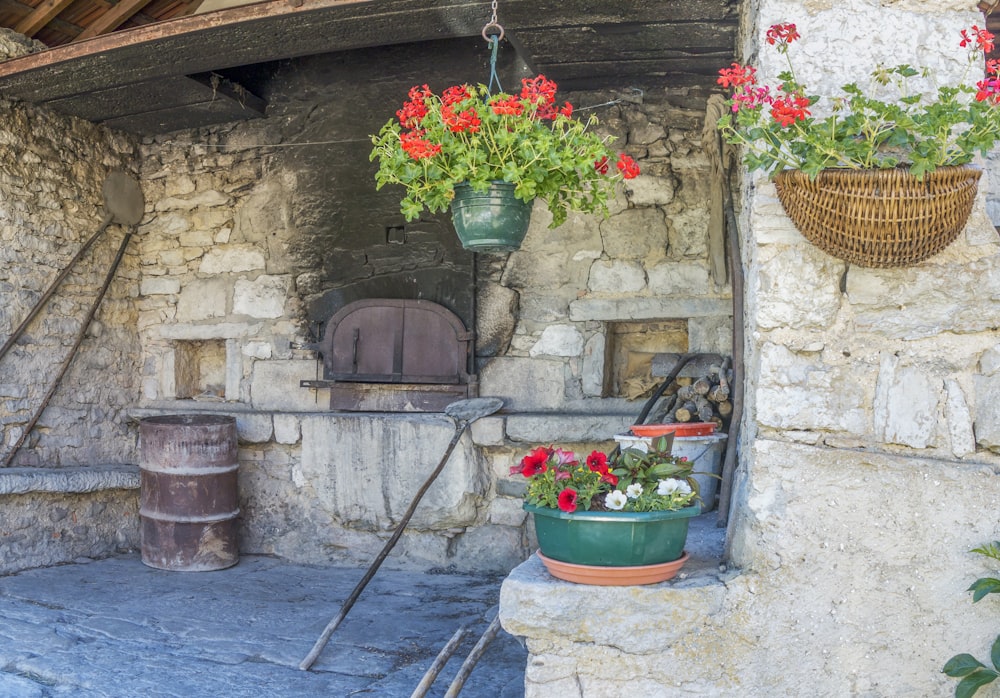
(703, 397)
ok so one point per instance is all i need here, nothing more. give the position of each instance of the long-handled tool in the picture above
(464, 412)
(123, 203)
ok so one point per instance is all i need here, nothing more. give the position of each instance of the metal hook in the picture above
(489, 37)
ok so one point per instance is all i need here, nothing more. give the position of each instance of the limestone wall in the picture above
(249, 244)
(52, 170)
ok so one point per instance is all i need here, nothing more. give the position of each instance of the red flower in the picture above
(988, 89)
(598, 462)
(534, 462)
(511, 105)
(602, 165)
(416, 147)
(737, 75)
(455, 94)
(752, 98)
(566, 110)
(567, 500)
(414, 111)
(789, 109)
(627, 166)
(782, 34)
(467, 120)
(993, 66)
(610, 478)
(538, 90)
(982, 38)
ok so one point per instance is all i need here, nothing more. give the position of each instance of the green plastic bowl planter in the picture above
(494, 221)
(612, 538)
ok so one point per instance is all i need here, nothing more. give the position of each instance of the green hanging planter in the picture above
(612, 538)
(494, 221)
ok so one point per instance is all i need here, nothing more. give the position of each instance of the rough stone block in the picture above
(287, 428)
(524, 384)
(645, 190)
(366, 468)
(906, 400)
(558, 340)
(679, 279)
(153, 286)
(592, 373)
(987, 414)
(488, 431)
(264, 297)
(203, 299)
(275, 385)
(232, 258)
(582, 428)
(616, 276)
(254, 428)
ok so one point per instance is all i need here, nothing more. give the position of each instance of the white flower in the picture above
(673, 486)
(634, 490)
(616, 500)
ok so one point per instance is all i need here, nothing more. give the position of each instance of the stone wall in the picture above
(251, 237)
(869, 464)
(52, 170)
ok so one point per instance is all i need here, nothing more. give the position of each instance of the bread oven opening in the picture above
(395, 355)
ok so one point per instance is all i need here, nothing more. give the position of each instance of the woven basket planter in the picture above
(879, 218)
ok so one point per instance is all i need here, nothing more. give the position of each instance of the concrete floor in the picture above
(117, 629)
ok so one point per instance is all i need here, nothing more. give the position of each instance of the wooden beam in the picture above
(43, 13)
(112, 19)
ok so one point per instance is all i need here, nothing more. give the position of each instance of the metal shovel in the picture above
(464, 412)
(123, 203)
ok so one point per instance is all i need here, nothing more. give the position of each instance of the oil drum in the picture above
(188, 498)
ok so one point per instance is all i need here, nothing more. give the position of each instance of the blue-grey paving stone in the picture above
(117, 629)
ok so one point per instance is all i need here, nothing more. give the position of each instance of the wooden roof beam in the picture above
(42, 15)
(112, 19)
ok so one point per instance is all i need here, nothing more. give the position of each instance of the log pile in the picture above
(701, 397)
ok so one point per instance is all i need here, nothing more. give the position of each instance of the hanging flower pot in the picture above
(491, 221)
(879, 218)
(466, 138)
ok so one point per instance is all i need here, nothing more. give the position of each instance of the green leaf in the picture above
(962, 665)
(995, 653)
(968, 686)
(983, 586)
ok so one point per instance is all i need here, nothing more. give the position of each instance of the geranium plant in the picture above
(885, 125)
(467, 135)
(972, 673)
(631, 480)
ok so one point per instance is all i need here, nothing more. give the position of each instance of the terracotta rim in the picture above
(613, 576)
(678, 429)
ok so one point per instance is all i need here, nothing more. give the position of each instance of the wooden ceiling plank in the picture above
(113, 18)
(42, 15)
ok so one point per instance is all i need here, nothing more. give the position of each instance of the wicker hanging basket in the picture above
(879, 218)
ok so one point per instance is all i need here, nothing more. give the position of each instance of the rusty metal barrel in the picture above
(188, 498)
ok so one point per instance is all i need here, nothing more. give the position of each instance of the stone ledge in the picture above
(69, 480)
(612, 309)
(634, 619)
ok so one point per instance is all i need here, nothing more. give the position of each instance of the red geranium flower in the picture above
(416, 147)
(789, 109)
(602, 165)
(467, 120)
(737, 75)
(566, 110)
(782, 34)
(511, 106)
(627, 166)
(567, 500)
(988, 89)
(455, 94)
(981, 37)
(538, 90)
(414, 111)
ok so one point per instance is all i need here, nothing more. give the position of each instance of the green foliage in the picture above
(468, 135)
(632, 480)
(888, 125)
(972, 673)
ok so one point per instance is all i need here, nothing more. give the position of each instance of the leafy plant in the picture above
(890, 125)
(973, 673)
(468, 135)
(630, 480)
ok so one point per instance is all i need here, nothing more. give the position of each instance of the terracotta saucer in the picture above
(678, 429)
(613, 576)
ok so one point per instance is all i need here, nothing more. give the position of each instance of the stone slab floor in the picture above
(115, 628)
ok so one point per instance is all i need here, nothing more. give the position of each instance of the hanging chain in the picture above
(493, 39)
